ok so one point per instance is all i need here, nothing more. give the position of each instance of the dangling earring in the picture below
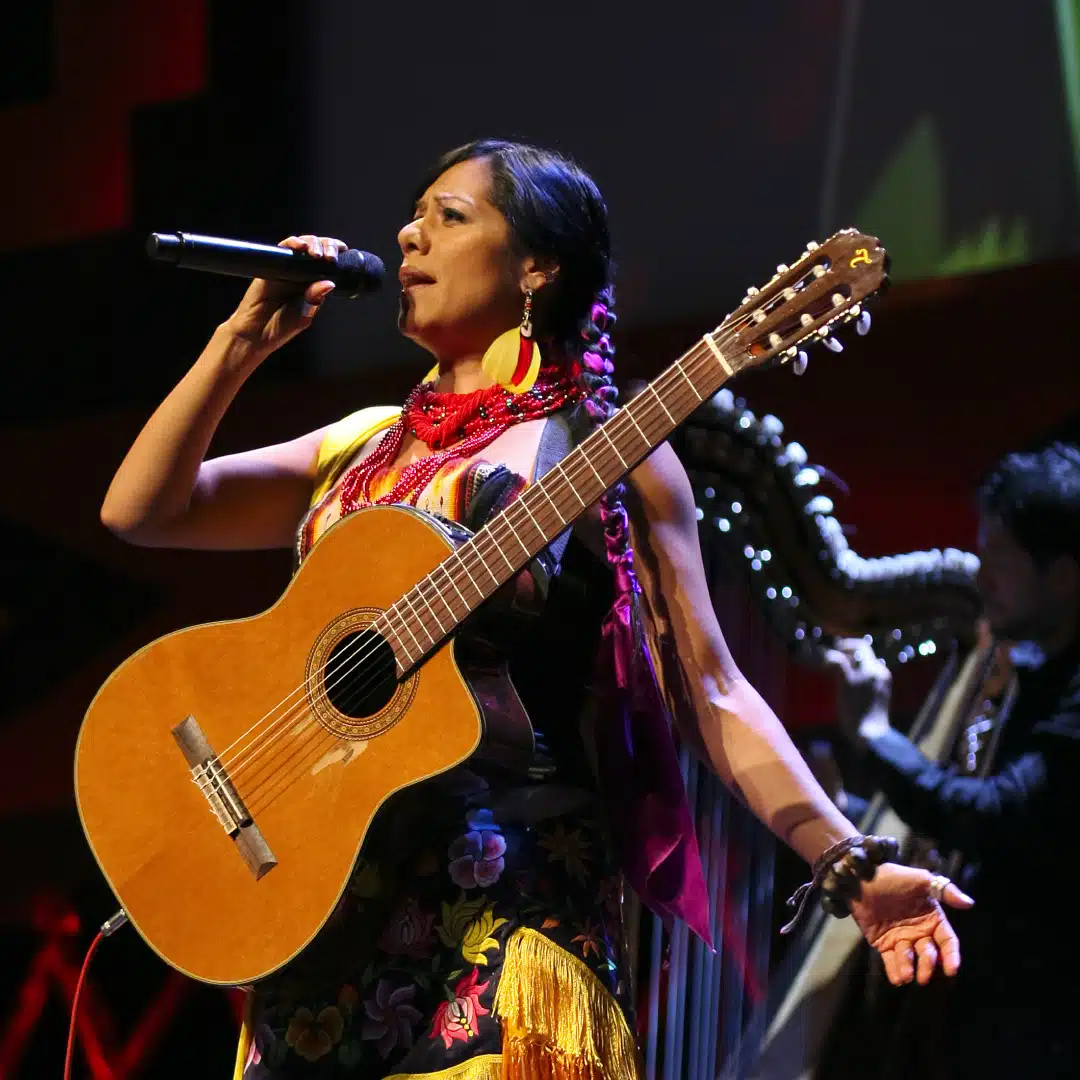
(513, 359)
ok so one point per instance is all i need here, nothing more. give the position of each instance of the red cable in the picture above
(75, 1003)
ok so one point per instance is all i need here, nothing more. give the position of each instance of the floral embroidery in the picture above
(478, 939)
(456, 919)
(254, 1068)
(591, 938)
(568, 847)
(312, 1037)
(391, 1017)
(428, 952)
(469, 924)
(408, 933)
(476, 859)
(366, 882)
(456, 1019)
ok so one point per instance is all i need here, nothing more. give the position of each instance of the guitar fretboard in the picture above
(431, 611)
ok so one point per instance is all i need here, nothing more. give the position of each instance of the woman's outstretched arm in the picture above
(729, 725)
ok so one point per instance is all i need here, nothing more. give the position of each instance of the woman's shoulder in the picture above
(343, 439)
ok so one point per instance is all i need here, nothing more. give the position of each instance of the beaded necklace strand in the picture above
(455, 426)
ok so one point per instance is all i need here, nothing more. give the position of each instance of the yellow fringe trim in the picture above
(559, 1021)
(244, 1043)
(485, 1067)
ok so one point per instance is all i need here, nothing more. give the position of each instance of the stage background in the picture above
(725, 136)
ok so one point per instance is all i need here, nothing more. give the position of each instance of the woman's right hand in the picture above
(273, 312)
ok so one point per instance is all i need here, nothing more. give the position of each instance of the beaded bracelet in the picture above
(839, 872)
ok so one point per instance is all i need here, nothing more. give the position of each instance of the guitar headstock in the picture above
(806, 301)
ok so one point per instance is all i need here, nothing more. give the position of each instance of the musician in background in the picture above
(480, 934)
(1013, 1011)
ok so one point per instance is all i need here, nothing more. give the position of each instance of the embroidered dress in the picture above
(480, 934)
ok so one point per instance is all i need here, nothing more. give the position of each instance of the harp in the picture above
(784, 579)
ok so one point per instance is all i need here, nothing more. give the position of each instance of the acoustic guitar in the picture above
(227, 774)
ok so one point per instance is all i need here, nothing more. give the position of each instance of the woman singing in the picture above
(480, 936)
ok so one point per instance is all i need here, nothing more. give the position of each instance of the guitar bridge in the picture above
(212, 779)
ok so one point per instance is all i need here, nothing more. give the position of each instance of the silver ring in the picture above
(938, 885)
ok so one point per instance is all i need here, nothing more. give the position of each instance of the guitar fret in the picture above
(423, 625)
(419, 592)
(510, 525)
(498, 546)
(595, 473)
(483, 563)
(679, 367)
(628, 412)
(569, 483)
(390, 631)
(450, 577)
(401, 617)
(656, 395)
(603, 431)
(558, 514)
(536, 524)
(464, 566)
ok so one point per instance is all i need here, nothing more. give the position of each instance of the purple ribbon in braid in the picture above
(640, 780)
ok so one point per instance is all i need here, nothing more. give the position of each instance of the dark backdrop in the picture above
(724, 136)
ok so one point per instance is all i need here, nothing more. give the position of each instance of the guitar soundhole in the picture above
(360, 676)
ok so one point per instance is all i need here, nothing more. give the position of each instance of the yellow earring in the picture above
(513, 359)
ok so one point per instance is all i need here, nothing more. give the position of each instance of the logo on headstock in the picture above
(861, 256)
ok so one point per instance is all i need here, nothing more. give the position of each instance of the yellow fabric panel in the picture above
(344, 439)
(247, 1028)
(485, 1067)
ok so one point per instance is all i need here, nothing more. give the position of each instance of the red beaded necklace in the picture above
(455, 426)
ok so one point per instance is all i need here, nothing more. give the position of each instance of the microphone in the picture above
(354, 272)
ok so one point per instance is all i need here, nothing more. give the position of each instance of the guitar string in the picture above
(439, 595)
(650, 414)
(676, 370)
(731, 331)
(311, 734)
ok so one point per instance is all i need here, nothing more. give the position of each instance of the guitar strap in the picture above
(562, 432)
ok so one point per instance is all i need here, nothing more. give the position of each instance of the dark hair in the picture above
(554, 210)
(1036, 495)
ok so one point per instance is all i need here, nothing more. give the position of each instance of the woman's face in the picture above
(462, 285)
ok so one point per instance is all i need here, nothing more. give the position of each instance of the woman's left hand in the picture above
(906, 925)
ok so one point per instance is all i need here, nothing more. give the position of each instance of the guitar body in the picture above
(231, 909)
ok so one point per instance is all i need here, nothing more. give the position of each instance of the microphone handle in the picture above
(238, 258)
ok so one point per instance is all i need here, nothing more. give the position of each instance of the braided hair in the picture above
(555, 210)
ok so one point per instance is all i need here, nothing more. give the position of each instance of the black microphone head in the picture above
(359, 272)
(165, 246)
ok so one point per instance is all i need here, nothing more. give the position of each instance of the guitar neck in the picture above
(430, 612)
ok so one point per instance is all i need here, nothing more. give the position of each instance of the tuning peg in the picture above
(782, 268)
(862, 327)
(832, 344)
(798, 365)
(813, 246)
